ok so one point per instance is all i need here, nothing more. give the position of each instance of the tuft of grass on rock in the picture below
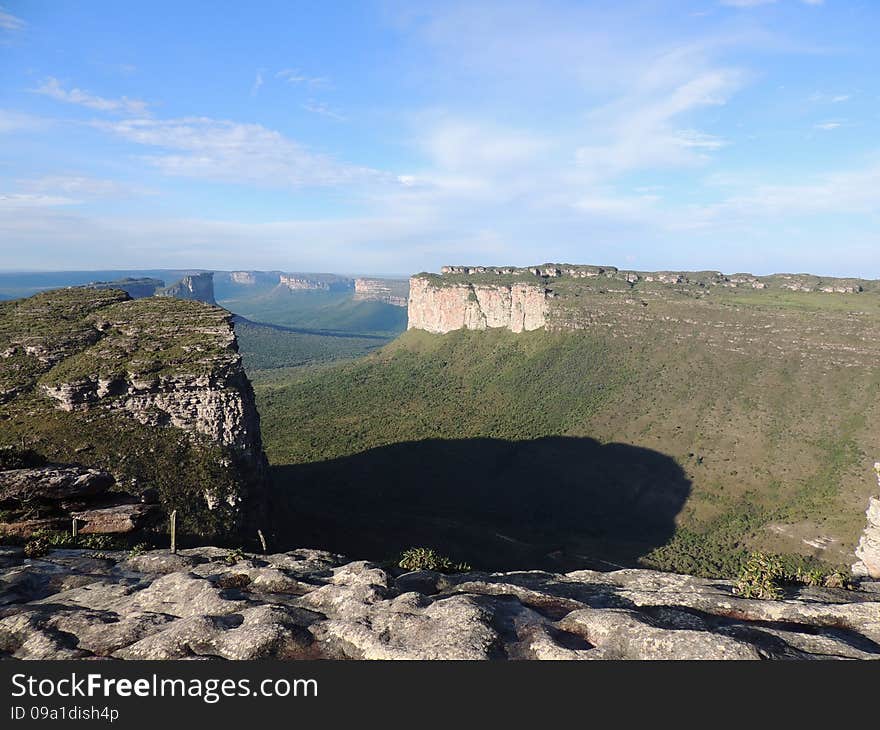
(422, 558)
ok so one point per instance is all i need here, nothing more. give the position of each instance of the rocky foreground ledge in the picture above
(212, 603)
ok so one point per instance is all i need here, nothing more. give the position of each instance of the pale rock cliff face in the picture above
(441, 307)
(320, 282)
(219, 405)
(197, 287)
(296, 282)
(206, 392)
(868, 550)
(389, 291)
(242, 277)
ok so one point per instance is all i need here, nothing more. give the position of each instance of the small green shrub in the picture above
(138, 549)
(761, 577)
(36, 547)
(234, 556)
(13, 457)
(42, 541)
(421, 558)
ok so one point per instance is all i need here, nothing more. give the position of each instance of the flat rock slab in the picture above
(212, 603)
(121, 518)
(52, 483)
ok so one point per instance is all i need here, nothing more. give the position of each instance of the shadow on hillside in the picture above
(553, 503)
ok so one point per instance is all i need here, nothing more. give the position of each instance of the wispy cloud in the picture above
(820, 98)
(641, 130)
(320, 107)
(747, 3)
(756, 3)
(295, 76)
(220, 150)
(53, 88)
(80, 188)
(258, 82)
(11, 121)
(10, 22)
(828, 126)
(33, 200)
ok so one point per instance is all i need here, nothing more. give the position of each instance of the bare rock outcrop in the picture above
(868, 550)
(52, 483)
(389, 291)
(320, 282)
(197, 287)
(136, 369)
(438, 306)
(50, 496)
(307, 604)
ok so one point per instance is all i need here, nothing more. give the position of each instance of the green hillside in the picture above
(756, 417)
(270, 352)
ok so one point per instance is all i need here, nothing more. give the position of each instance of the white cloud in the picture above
(32, 200)
(640, 131)
(827, 126)
(53, 88)
(454, 144)
(10, 22)
(226, 151)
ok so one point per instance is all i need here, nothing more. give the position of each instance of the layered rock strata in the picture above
(389, 291)
(443, 308)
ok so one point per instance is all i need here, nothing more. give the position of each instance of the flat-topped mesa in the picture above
(136, 288)
(388, 291)
(570, 296)
(297, 282)
(243, 277)
(197, 287)
(707, 279)
(318, 282)
(442, 308)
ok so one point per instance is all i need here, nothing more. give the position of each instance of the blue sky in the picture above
(739, 135)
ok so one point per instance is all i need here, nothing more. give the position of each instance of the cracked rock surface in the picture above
(213, 604)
